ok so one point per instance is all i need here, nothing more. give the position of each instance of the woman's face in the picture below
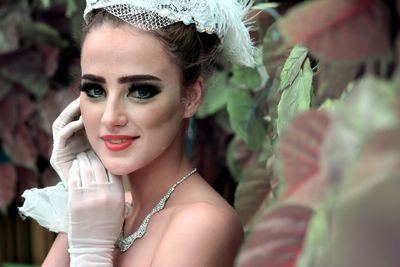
(131, 100)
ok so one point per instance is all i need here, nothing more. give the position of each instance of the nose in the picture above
(114, 114)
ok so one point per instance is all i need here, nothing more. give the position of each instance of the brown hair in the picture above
(193, 51)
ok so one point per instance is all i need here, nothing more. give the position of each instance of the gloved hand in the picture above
(96, 212)
(68, 140)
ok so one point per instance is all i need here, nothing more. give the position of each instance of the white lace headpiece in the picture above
(222, 17)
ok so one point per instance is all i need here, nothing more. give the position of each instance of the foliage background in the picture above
(300, 144)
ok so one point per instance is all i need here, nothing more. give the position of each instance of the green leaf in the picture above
(216, 95)
(72, 7)
(46, 3)
(318, 230)
(295, 98)
(244, 119)
(231, 161)
(246, 77)
(292, 66)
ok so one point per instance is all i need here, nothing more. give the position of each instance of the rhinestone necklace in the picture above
(124, 243)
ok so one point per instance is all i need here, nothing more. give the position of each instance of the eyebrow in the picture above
(124, 79)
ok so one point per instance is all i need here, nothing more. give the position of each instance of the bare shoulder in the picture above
(207, 217)
(200, 234)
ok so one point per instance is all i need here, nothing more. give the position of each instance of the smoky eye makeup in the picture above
(93, 90)
(143, 91)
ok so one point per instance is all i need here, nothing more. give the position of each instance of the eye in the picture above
(93, 90)
(143, 91)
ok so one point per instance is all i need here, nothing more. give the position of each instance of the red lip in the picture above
(117, 142)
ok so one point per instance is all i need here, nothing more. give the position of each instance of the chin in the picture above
(119, 170)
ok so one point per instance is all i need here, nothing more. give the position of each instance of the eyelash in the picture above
(150, 91)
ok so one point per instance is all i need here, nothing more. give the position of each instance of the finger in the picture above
(100, 174)
(116, 187)
(67, 131)
(116, 181)
(74, 180)
(85, 169)
(67, 115)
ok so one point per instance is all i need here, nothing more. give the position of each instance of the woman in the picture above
(143, 69)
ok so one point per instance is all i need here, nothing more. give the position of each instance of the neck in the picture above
(149, 184)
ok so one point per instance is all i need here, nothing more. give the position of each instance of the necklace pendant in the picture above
(124, 243)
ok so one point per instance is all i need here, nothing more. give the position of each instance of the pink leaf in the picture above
(52, 105)
(300, 149)
(8, 115)
(252, 190)
(50, 55)
(43, 140)
(25, 106)
(8, 178)
(339, 30)
(25, 68)
(277, 239)
(21, 148)
(333, 79)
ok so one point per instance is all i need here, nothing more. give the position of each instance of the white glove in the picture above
(68, 139)
(96, 212)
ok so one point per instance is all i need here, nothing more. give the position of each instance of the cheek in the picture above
(90, 119)
(166, 114)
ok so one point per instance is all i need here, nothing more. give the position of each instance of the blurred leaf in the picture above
(267, 150)
(246, 77)
(72, 7)
(364, 216)
(231, 160)
(244, 119)
(333, 79)
(318, 231)
(396, 76)
(21, 148)
(9, 39)
(277, 239)
(25, 68)
(45, 3)
(51, 57)
(372, 105)
(300, 151)
(25, 106)
(216, 95)
(379, 159)
(240, 158)
(42, 33)
(253, 189)
(275, 52)
(9, 115)
(292, 67)
(222, 119)
(5, 87)
(8, 179)
(331, 30)
(42, 139)
(51, 106)
(295, 98)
